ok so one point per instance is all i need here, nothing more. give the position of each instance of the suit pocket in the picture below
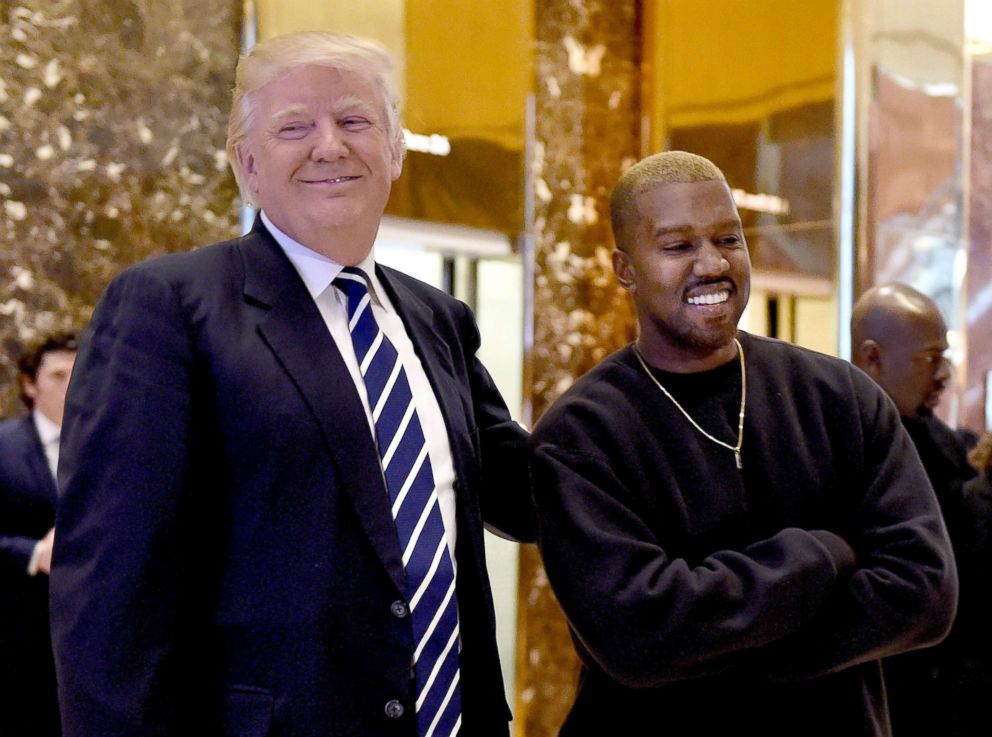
(248, 712)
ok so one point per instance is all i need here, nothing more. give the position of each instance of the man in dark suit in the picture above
(899, 338)
(261, 438)
(29, 449)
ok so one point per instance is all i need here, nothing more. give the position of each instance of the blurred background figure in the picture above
(29, 450)
(899, 337)
(969, 674)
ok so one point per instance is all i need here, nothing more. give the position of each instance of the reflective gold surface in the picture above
(751, 86)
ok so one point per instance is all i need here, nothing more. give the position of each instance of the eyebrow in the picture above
(346, 104)
(687, 228)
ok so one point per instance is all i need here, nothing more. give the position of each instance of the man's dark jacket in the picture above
(27, 511)
(226, 561)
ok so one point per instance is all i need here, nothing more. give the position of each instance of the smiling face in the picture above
(319, 161)
(685, 261)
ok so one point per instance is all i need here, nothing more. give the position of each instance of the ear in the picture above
(396, 165)
(868, 357)
(247, 162)
(624, 270)
(28, 387)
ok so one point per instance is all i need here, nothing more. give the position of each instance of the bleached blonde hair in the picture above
(667, 167)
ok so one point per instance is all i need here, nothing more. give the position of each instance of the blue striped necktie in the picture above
(430, 574)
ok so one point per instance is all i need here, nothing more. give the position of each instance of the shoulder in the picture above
(601, 398)
(13, 430)
(16, 441)
(423, 291)
(202, 280)
(785, 362)
(202, 264)
(788, 355)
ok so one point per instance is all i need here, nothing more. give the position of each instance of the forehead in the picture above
(927, 333)
(312, 86)
(687, 206)
(56, 360)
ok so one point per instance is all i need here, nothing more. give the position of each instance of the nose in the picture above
(710, 260)
(943, 371)
(329, 144)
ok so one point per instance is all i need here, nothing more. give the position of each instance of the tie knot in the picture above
(354, 283)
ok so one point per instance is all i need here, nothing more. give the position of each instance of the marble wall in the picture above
(112, 129)
(587, 131)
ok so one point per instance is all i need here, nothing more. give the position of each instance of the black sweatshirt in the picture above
(708, 600)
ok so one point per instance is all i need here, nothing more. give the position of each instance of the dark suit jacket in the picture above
(27, 512)
(226, 560)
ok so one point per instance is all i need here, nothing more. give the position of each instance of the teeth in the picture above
(709, 299)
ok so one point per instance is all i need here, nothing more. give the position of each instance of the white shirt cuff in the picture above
(33, 562)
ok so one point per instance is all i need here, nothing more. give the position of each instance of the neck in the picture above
(346, 245)
(680, 359)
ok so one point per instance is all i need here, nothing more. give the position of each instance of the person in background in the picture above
(967, 676)
(29, 451)
(278, 455)
(737, 529)
(899, 338)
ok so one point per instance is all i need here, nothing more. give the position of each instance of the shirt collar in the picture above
(48, 431)
(319, 271)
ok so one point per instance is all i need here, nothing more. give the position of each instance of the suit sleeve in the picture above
(507, 504)
(15, 553)
(16, 480)
(121, 568)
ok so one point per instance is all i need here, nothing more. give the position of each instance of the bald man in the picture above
(899, 338)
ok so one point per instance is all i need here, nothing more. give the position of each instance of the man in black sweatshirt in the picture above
(737, 529)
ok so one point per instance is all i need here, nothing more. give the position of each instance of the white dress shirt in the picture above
(49, 433)
(318, 273)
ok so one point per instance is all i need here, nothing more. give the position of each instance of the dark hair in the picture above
(29, 363)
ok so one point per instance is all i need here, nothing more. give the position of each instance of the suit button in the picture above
(399, 609)
(394, 709)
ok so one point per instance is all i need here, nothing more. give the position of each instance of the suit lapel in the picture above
(292, 327)
(39, 461)
(435, 357)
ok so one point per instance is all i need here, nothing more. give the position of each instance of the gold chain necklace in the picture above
(740, 422)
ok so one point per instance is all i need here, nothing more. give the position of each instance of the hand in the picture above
(44, 549)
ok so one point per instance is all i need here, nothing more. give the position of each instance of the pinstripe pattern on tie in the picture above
(406, 466)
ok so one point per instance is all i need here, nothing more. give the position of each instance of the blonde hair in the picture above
(980, 456)
(275, 57)
(668, 167)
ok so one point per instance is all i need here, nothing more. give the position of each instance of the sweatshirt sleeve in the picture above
(874, 578)
(646, 617)
(904, 592)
